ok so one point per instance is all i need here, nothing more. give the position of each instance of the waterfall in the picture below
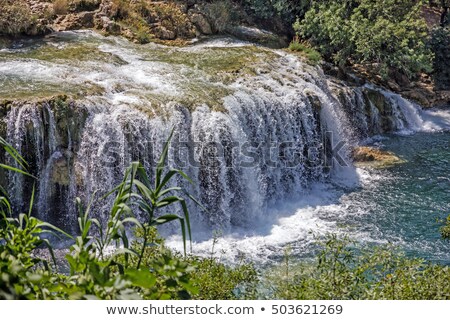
(268, 135)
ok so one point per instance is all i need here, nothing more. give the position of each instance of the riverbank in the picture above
(178, 23)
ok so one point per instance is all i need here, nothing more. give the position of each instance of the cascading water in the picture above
(253, 126)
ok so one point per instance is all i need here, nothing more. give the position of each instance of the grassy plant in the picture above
(154, 197)
(305, 50)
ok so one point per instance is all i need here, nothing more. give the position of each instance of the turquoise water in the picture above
(405, 204)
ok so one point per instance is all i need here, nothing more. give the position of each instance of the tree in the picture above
(386, 34)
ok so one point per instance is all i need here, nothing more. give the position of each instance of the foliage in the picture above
(21, 272)
(445, 230)
(387, 34)
(217, 281)
(440, 45)
(195, 277)
(312, 55)
(15, 17)
(288, 10)
(342, 271)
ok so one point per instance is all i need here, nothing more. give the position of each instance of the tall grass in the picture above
(312, 55)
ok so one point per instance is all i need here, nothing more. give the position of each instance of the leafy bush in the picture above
(387, 34)
(440, 45)
(217, 281)
(15, 17)
(288, 10)
(445, 230)
(93, 273)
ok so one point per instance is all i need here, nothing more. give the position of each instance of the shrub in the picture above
(15, 17)
(387, 34)
(92, 272)
(445, 230)
(344, 271)
(288, 10)
(440, 45)
(217, 281)
(147, 20)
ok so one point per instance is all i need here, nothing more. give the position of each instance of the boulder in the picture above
(374, 157)
(201, 23)
(260, 36)
(75, 21)
(163, 33)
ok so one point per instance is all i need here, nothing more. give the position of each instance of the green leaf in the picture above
(4, 166)
(141, 278)
(162, 160)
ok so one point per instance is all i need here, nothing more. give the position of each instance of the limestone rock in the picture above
(201, 23)
(105, 24)
(164, 34)
(263, 37)
(370, 156)
(75, 21)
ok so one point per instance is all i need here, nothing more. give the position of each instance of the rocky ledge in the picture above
(169, 22)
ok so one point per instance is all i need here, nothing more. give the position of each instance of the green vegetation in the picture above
(387, 34)
(445, 230)
(344, 271)
(440, 44)
(312, 55)
(287, 10)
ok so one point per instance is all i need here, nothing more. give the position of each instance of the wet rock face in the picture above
(47, 134)
(74, 21)
(259, 36)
